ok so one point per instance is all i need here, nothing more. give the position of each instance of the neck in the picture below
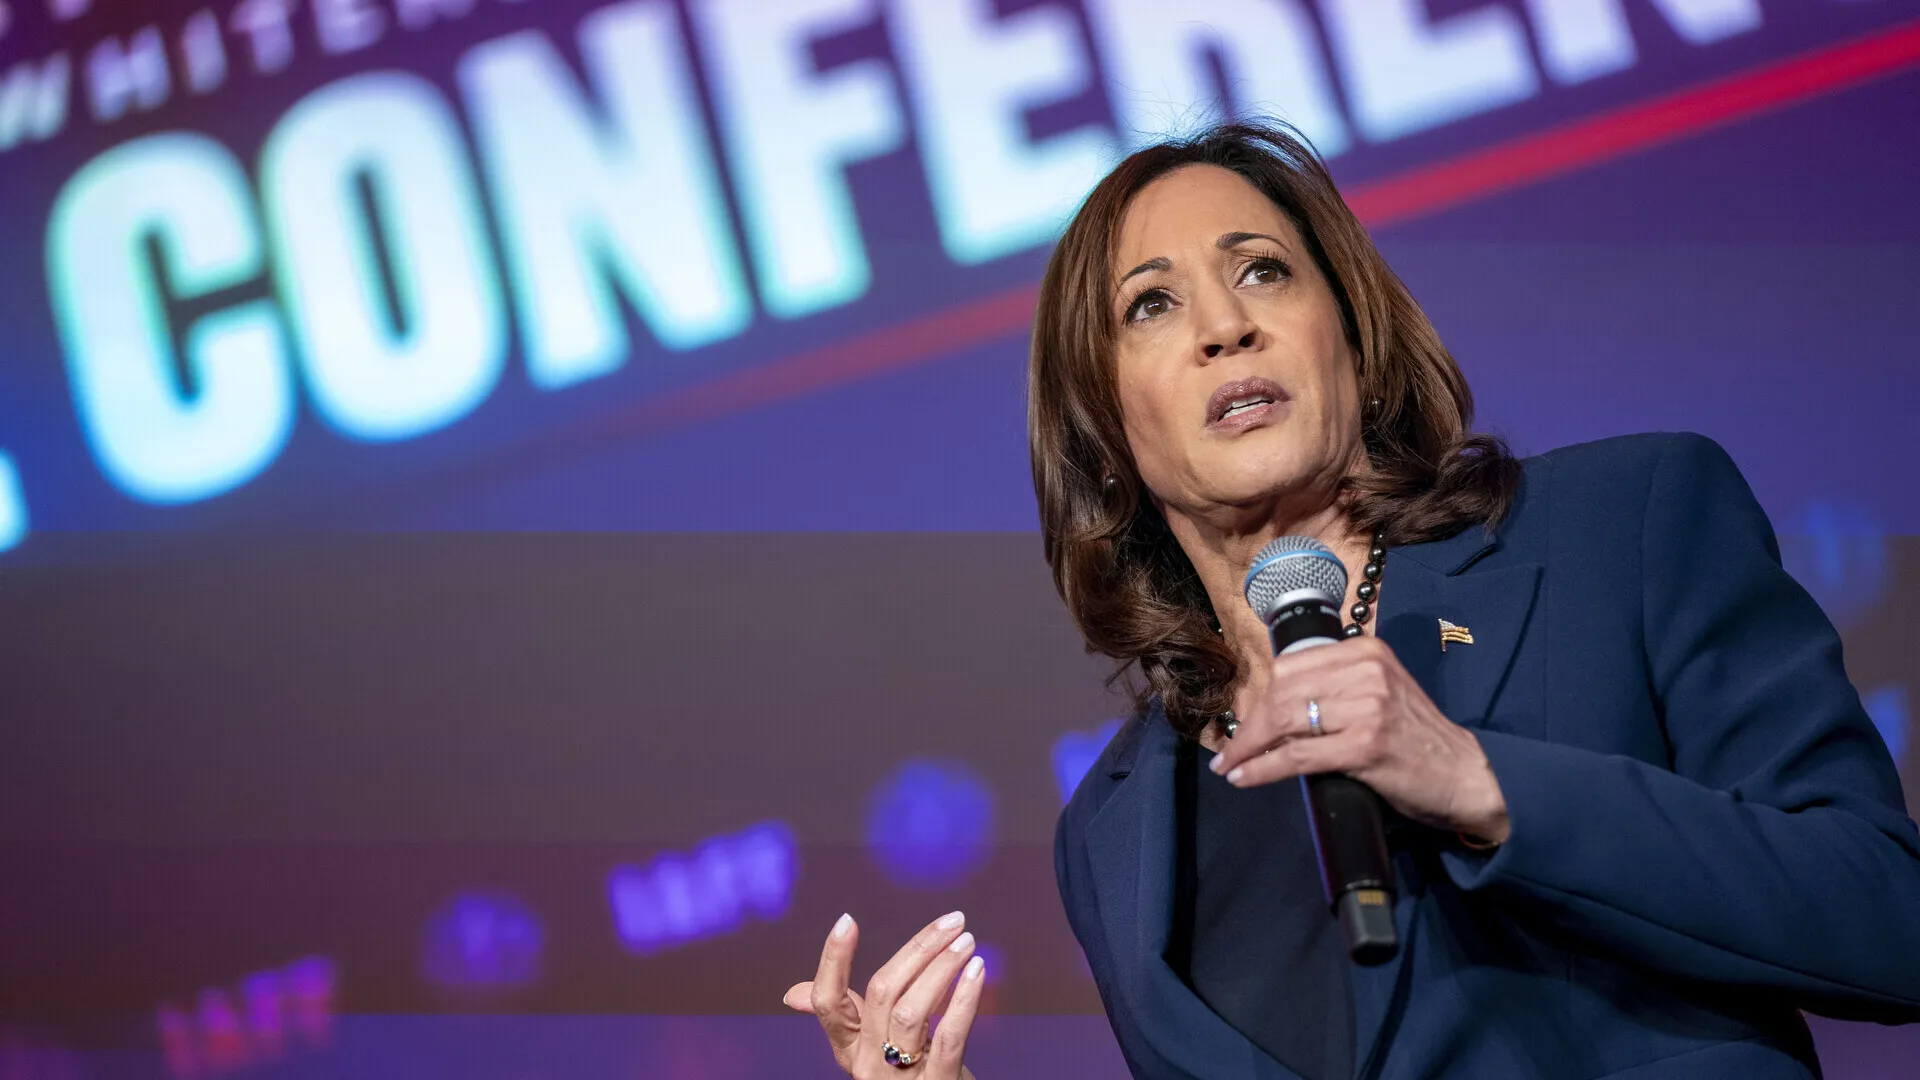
(1221, 551)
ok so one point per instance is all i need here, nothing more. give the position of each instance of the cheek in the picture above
(1333, 384)
(1343, 388)
(1147, 408)
(1333, 422)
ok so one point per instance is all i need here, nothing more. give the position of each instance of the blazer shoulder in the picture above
(1629, 471)
(1104, 775)
(1653, 490)
(1627, 458)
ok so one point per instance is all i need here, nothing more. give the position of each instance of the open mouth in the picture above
(1242, 400)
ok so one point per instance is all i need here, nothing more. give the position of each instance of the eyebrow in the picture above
(1158, 262)
(1227, 240)
(1235, 239)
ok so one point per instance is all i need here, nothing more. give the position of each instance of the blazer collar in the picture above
(1131, 839)
(1451, 555)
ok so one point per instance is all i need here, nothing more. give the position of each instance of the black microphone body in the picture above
(1348, 832)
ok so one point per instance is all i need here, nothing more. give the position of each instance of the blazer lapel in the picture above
(1131, 848)
(1422, 585)
(1427, 584)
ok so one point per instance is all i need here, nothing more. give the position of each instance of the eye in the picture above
(1265, 271)
(1149, 305)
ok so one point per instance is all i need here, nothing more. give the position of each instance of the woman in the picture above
(1640, 819)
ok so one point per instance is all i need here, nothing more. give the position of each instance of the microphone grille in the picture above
(1290, 565)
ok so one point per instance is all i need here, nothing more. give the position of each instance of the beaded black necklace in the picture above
(1361, 611)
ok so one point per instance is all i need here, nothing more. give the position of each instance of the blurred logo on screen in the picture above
(483, 941)
(271, 1015)
(684, 897)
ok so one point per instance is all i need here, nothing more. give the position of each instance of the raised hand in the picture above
(899, 1004)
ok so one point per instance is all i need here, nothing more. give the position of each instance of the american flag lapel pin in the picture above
(1458, 635)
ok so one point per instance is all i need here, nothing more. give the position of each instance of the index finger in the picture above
(838, 1015)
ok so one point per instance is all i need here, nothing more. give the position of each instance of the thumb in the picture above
(799, 997)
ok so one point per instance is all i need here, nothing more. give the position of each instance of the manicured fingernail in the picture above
(974, 967)
(1234, 776)
(1215, 763)
(962, 943)
(845, 924)
(949, 921)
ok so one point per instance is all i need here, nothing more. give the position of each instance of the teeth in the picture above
(1240, 404)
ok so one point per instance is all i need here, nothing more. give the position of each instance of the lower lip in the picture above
(1247, 418)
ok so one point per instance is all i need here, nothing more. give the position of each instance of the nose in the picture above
(1226, 328)
(1215, 349)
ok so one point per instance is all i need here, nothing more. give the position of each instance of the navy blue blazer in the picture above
(1708, 834)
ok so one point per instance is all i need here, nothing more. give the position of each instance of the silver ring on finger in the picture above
(1313, 718)
(899, 1058)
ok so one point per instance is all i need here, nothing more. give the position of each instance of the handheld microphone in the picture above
(1295, 586)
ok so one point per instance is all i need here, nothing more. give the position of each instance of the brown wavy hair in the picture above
(1120, 570)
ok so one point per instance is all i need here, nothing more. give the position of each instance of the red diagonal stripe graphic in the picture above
(1636, 127)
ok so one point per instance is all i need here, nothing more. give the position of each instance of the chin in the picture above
(1260, 467)
(1250, 486)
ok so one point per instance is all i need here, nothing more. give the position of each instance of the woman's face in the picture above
(1237, 386)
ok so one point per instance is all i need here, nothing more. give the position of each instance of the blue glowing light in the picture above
(679, 898)
(1840, 554)
(1888, 708)
(13, 508)
(930, 824)
(483, 940)
(1075, 752)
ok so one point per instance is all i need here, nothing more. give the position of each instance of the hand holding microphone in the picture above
(1375, 725)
